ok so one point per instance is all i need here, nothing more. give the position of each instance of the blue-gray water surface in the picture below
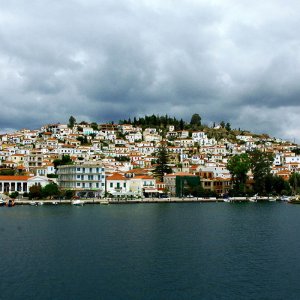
(151, 251)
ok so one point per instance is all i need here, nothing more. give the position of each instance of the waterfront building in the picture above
(85, 179)
(21, 184)
(144, 185)
(117, 185)
(179, 184)
(218, 185)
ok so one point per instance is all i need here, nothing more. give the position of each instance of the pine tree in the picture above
(72, 122)
(261, 163)
(162, 167)
(195, 121)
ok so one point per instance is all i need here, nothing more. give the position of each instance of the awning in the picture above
(150, 190)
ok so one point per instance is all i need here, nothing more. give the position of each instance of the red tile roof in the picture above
(14, 178)
(116, 176)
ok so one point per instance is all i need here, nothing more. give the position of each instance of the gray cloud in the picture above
(103, 60)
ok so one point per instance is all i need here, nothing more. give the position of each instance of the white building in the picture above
(21, 184)
(86, 179)
(117, 185)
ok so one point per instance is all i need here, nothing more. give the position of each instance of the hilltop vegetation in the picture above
(218, 131)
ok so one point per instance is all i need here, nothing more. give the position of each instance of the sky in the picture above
(227, 60)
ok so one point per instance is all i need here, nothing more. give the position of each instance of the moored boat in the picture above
(77, 202)
(104, 202)
(10, 203)
(285, 198)
(227, 199)
(294, 199)
(253, 198)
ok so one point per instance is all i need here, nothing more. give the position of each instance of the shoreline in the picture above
(136, 201)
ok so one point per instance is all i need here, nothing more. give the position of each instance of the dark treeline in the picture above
(163, 121)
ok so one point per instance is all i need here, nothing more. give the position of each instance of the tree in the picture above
(222, 124)
(35, 191)
(280, 186)
(181, 124)
(14, 195)
(228, 126)
(162, 167)
(295, 182)
(195, 121)
(261, 163)
(296, 151)
(72, 122)
(50, 190)
(94, 125)
(69, 194)
(7, 172)
(269, 183)
(82, 140)
(238, 166)
(65, 160)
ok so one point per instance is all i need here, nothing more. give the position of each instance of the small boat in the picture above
(253, 198)
(40, 203)
(32, 203)
(104, 202)
(54, 202)
(2, 202)
(294, 199)
(10, 203)
(285, 198)
(77, 202)
(272, 199)
(227, 199)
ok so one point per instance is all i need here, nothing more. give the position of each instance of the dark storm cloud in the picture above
(103, 60)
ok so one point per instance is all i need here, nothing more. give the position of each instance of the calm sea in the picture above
(151, 251)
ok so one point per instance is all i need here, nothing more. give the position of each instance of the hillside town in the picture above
(118, 160)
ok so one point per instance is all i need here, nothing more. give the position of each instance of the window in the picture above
(78, 184)
(78, 176)
(124, 184)
(78, 169)
(97, 185)
(111, 184)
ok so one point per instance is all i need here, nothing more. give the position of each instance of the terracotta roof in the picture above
(21, 168)
(179, 174)
(14, 178)
(143, 177)
(116, 176)
(137, 171)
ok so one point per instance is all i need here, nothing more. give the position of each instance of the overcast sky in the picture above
(231, 60)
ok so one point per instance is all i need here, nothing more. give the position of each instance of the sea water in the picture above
(151, 251)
